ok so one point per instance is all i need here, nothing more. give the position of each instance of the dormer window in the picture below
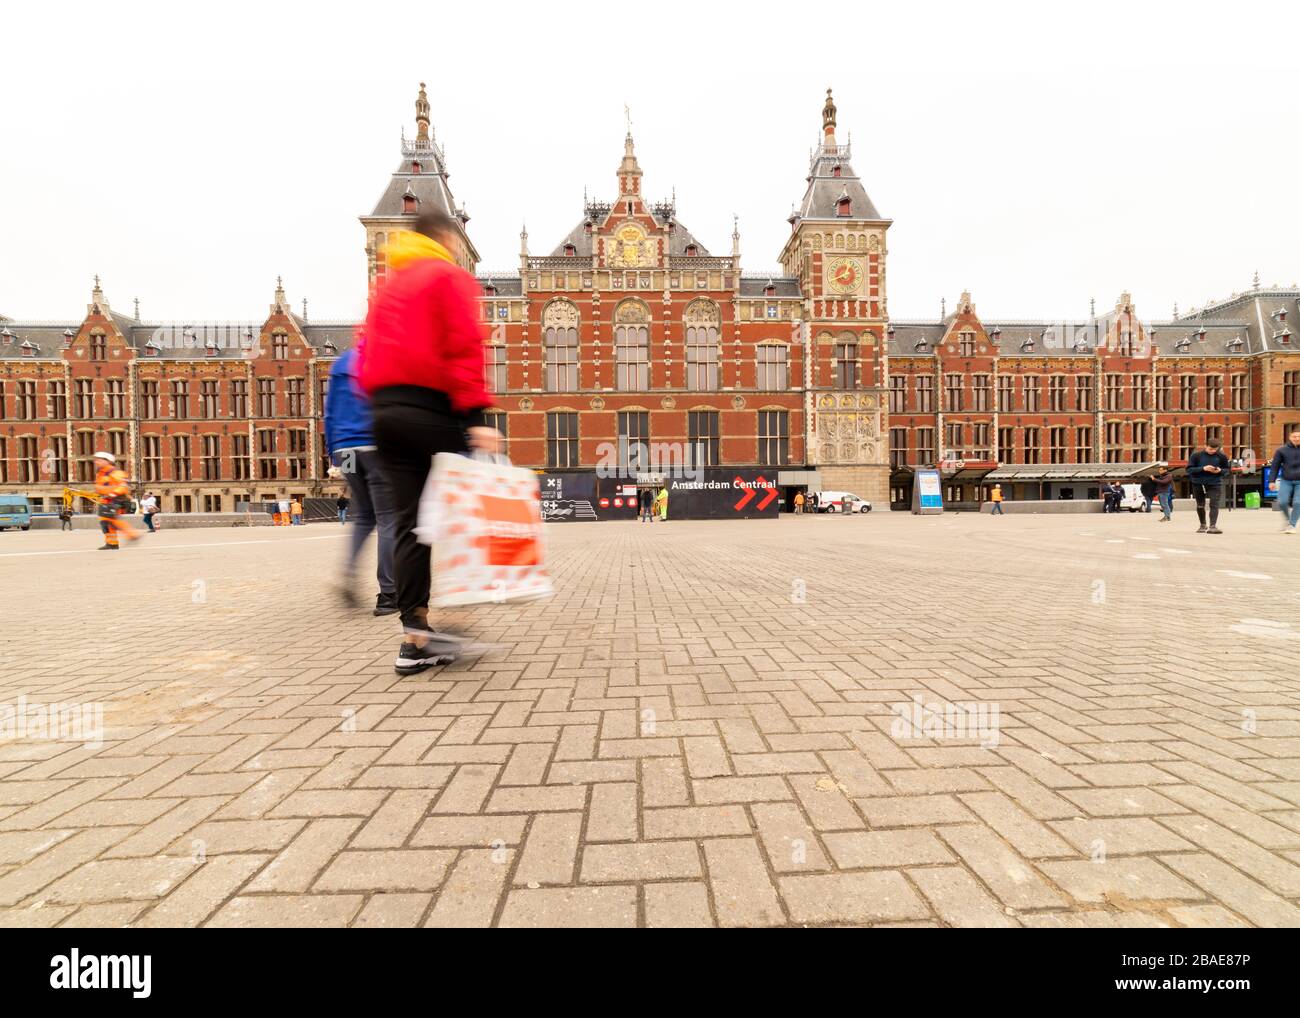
(844, 207)
(28, 348)
(770, 289)
(415, 168)
(7, 337)
(691, 250)
(490, 288)
(152, 347)
(210, 348)
(1183, 345)
(1236, 343)
(1200, 333)
(921, 345)
(570, 250)
(1028, 345)
(586, 226)
(68, 336)
(1283, 337)
(1081, 346)
(996, 335)
(410, 203)
(1279, 315)
(837, 170)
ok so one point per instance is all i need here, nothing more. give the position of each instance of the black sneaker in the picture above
(1201, 529)
(385, 606)
(412, 659)
(1214, 530)
(108, 547)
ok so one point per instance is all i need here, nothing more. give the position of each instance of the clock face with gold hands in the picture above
(844, 275)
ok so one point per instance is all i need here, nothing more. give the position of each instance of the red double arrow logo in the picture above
(751, 492)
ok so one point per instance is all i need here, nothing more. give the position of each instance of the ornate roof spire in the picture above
(828, 120)
(629, 170)
(422, 118)
(279, 293)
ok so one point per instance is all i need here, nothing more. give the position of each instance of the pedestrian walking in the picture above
(996, 497)
(282, 512)
(114, 494)
(798, 502)
(646, 503)
(1285, 469)
(149, 508)
(1206, 469)
(1148, 488)
(65, 518)
(295, 512)
(350, 439)
(1164, 485)
(661, 505)
(422, 364)
(342, 502)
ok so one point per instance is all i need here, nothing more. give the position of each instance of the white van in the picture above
(841, 502)
(1132, 499)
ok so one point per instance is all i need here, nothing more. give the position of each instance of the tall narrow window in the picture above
(634, 440)
(1006, 394)
(180, 457)
(773, 367)
(209, 398)
(98, 347)
(180, 399)
(925, 446)
(1083, 393)
(115, 398)
(702, 437)
(897, 394)
(239, 397)
(1056, 397)
(632, 347)
(212, 457)
(561, 440)
(86, 398)
(702, 332)
(897, 447)
(773, 437)
(925, 395)
(266, 459)
(1083, 445)
(56, 394)
(952, 393)
(152, 459)
(1032, 445)
(982, 393)
(280, 346)
(845, 375)
(266, 397)
(240, 461)
(295, 396)
(560, 346)
(1033, 394)
(496, 368)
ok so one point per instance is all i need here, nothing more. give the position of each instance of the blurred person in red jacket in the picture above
(422, 365)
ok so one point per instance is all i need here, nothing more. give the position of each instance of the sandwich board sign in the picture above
(927, 493)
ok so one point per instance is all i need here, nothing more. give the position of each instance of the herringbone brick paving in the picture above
(699, 729)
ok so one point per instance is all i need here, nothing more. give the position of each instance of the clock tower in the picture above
(837, 252)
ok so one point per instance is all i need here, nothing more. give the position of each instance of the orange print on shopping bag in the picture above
(510, 535)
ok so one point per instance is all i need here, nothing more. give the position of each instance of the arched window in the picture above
(702, 334)
(560, 339)
(632, 346)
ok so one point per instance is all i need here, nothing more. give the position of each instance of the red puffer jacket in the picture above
(424, 329)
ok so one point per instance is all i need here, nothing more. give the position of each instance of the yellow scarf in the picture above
(406, 247)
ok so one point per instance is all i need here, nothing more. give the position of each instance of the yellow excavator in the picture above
(70, 496)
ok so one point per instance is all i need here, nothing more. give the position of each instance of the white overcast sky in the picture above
(1036, 154)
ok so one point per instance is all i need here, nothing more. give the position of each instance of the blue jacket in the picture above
(347, 411)
(1286, 462)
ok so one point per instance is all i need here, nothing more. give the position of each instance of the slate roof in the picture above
(46, 338)
(756, 285)
(583, 241)
(825, 189)
(506, 285)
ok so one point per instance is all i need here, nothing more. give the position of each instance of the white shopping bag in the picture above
(484, 522)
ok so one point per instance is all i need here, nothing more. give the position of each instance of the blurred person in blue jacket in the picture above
(349, 435)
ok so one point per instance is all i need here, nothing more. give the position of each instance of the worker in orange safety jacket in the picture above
(114, 499)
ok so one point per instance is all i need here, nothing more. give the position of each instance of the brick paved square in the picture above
(952, 721)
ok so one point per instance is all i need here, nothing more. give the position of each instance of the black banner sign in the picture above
(720, 493)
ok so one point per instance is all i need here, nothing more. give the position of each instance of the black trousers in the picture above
(1211, 493)
(411, 427)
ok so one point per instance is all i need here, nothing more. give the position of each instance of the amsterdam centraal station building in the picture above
(630, 352)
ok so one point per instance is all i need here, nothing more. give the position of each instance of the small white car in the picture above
(841, 502)
(1132, 499)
